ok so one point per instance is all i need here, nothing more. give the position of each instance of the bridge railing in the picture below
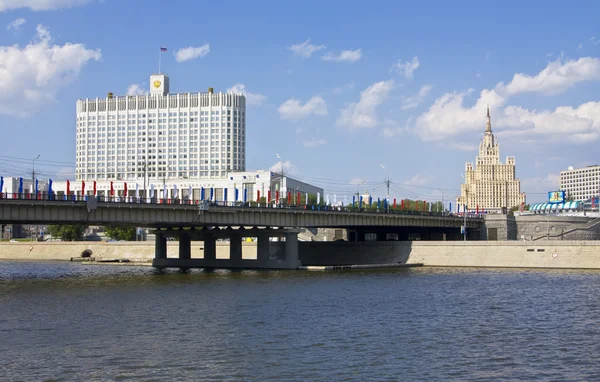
(75, 198)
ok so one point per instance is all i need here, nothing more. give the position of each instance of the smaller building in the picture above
(581, 183)
(250, 186)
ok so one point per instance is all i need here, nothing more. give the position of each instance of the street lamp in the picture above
(464, 213)
(281, 174)
(387, 181)
(33, 173)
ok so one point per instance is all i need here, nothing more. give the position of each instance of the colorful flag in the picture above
(257, 196)
(125, 189)
(394, 203)
(112, 189)
(190, 196)
(163, 49)
(1, 184)
(151, 191)
(245, 195)
(277, 196)
(68, 188)
(94, 188)
(137, 191)
(21, 185)
(318, 198)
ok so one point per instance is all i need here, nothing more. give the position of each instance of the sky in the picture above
(342, 94)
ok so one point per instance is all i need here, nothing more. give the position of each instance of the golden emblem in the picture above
(157, 84)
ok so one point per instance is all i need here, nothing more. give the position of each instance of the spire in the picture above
(488, 127)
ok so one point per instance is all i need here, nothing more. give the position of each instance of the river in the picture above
(63, 321)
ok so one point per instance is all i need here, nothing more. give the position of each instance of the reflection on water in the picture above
(66, 321)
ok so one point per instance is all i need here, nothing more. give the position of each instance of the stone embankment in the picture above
(519, 254)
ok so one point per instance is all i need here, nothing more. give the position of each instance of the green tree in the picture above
(67, 232)
(120, 232)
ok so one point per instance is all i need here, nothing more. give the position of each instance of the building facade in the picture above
(161, 136)
(490, 185)
(581, 184)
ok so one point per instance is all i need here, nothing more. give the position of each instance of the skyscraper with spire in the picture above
(490, 185)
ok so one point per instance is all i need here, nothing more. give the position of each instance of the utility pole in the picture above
(282, 177)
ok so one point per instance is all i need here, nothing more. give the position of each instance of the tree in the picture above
(67, 232)
(120, 232)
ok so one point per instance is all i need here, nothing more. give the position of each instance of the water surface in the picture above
(64, 321)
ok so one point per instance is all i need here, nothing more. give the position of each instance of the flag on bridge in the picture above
(112, 189)
(137, 191)
(202, 193)
(36, 188)
(151, 191)
(82, 188)
(394, 203)
(1, 184)
(175, 191)
(212, 194)
(68, 190)
(20, 186)
(125, 189)
(269, 196)
(245, 195)
(94, 188)
(318, 198)
(257, 196)
(190, 196)
(353, 200)
(277, 196)
(450, 208)
(49, 189)
(306, 199)
(225, 195)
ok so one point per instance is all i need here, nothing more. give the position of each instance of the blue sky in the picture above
(337, 89)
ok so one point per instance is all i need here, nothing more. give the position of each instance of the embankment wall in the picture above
(521, 254)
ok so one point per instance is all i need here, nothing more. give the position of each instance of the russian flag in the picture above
(163, 49)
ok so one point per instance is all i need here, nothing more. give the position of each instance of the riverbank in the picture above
(504, 254)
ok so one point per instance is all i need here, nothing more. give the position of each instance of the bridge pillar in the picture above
(185, 247)
(210, 247)
(160, 246)
(262, 247)
(291, 250)
(235, 247)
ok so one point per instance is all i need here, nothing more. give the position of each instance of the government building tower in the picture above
(160, 135)
(491, 185)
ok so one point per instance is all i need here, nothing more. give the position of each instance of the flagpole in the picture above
(159, 56)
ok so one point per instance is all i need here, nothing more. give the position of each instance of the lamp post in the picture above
(358, 193)
(282, 176)
(33, 173)
(387, 182)
(465, 212)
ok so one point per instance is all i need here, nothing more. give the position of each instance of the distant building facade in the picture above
(490, 185)
(581, 184)
(161, 135)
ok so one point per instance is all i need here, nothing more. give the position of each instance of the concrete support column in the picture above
(210, 247)
(235, 247)
(262, 248)
(160, 246)
(291, 250)
(185, 247)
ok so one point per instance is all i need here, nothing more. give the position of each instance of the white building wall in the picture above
(581, 183)
(171, 136)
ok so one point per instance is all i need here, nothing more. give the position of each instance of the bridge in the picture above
(207, 223)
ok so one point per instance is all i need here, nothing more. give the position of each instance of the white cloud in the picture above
(305, 49)
(189, 53)
(293, 108)
(40, 5)
(362, 113)
(448, 115)
(557, 77)
(417, 180)
(341, 89)
(288, 167)
(539, 185)
(392, 129)
(32, 75)
(135, 89)
(253, 99)
(343, 56)
(314, 142)
(579, 47)
(415, 100)
(16, 24)
(407, 68)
